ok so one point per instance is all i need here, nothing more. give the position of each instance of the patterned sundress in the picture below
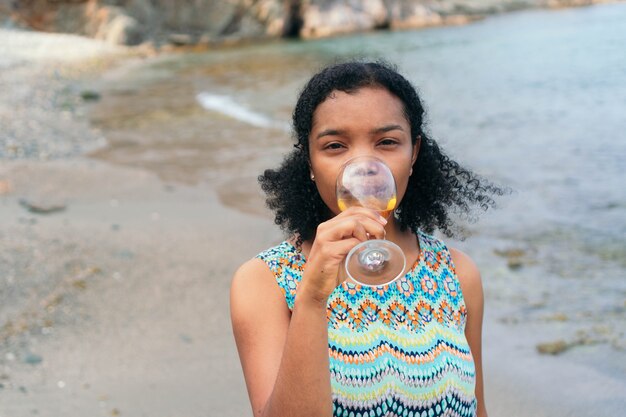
(397, 349)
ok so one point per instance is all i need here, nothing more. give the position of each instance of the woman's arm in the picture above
(284, 359)
(471, 286)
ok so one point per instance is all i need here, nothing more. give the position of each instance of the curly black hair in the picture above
(437, 187)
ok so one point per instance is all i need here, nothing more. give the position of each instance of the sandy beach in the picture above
(114, 282)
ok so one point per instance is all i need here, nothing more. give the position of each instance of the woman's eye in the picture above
(333, 146)
(388, 142)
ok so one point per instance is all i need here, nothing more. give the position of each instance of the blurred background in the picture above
(132, 133)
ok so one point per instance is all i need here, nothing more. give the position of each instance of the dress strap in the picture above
(287, 264)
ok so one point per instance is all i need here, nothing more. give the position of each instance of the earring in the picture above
(312, 177)
(411, 172)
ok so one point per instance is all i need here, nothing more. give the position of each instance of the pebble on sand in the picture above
(89, 95)
(515, 257)
(32, 359)
(41, 207)
(553, 348)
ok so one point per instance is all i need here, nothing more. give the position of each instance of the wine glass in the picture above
(366, 181)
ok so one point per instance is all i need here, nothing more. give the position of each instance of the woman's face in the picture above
(369, 121)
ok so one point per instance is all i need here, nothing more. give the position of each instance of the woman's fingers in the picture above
(355, 228)
(333, 241)
(357, 222)
(340, 248)
(360, 227)
(374, 215)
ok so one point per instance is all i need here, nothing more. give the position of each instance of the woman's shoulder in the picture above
(467, 273)
(262, 263)
(281, 264)
(253, 284)
(464, 266)
(463, 262)
(254, 297)
(253, 272)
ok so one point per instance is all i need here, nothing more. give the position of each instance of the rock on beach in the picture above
(184, 23)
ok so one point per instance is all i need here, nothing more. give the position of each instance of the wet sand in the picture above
(116, 303)
(133, 315)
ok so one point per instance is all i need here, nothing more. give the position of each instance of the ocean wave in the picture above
(227, 106)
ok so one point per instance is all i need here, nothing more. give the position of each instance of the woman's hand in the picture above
(333, 240)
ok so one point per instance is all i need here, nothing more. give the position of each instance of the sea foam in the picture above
(226, 105)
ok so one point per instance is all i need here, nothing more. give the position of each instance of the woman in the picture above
(313, 343)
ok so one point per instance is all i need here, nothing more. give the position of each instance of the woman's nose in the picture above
(370, 168)
(366, 166)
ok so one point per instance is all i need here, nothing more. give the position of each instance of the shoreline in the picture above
(149, 26)
(118, 302)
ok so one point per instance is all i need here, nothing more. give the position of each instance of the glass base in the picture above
(375, 262)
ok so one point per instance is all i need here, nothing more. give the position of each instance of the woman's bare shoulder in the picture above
(466, 271)
(255, 297)
(254, 287)
(253, 275)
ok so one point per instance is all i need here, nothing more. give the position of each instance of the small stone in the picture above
(32, 359)
(52, 301)
(557, 317)
(553, 348)
(515, 263)
(89, 95)
(80, 284)
(510, 253)
(41, 207)
(514, 257)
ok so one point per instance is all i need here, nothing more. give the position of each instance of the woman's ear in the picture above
(311, 174)
(416, 149)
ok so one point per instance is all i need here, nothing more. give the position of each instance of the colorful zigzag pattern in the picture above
(395, 350)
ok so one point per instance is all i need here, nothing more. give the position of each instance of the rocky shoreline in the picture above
(210, 23)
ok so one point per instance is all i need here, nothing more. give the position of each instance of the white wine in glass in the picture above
(366, 181)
